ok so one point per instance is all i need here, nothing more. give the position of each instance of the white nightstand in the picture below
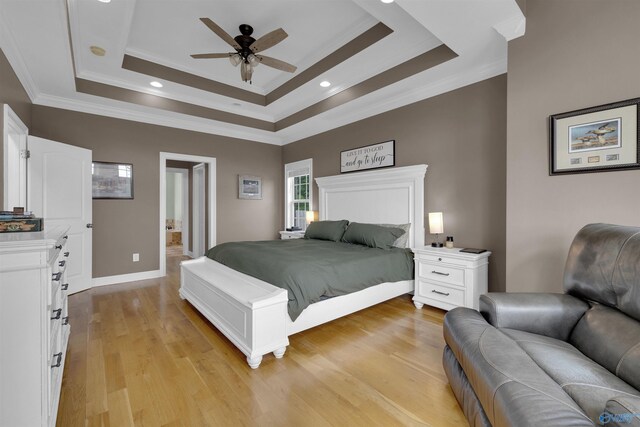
(448, 278)
(285, 235)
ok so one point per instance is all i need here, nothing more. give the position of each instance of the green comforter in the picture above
(313, 269)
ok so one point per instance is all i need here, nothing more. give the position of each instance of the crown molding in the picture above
(407, 92)
(512, 28)
(11, 51)
(179, 121)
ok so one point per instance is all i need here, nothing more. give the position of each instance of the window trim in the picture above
(288, 168)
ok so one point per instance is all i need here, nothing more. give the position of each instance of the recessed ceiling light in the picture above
(325, 83)
(97, 50)
(383, 1)
(104, 1)
(156, 84)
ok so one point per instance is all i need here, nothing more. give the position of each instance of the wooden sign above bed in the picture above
(374, 156)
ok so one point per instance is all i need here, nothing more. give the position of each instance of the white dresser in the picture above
(34, 325)
(448, 278)
(286, 235)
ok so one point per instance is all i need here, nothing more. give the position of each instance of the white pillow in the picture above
(402, 241)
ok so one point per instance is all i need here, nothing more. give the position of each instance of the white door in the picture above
(59, 190)
(198, 210)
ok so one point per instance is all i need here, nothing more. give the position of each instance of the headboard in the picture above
(384, 196)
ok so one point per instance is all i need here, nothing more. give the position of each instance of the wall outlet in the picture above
(136, 257)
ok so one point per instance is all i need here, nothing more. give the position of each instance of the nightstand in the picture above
(285, 235)
(448, 278)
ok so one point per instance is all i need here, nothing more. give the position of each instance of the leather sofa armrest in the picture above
(621, 411)
(552, 315)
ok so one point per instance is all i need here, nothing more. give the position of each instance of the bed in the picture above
(253, 314)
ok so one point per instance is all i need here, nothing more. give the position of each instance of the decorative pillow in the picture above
(401, 242)
(326, 230)
(372, 235)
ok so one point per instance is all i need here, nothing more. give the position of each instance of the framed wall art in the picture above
(597, 139)
(249, 187)
(112, 180)
(374, 156)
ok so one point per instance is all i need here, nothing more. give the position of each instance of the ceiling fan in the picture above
(247, 48)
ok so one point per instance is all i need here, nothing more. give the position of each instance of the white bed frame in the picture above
(253, 314)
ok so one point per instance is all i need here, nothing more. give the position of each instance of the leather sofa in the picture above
(569, 359)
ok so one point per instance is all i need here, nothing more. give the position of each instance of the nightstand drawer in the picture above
(441, 293)
(441, 273)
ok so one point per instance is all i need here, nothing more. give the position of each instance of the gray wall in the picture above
(12, 93)
(575, 54)
(122, 227)
(461, 136)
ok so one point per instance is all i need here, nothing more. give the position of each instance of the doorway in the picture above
(187, 205)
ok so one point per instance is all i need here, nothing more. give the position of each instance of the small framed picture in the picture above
(249, 187)
(597, 139)
(112, 180)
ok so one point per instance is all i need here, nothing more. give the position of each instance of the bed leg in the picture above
(418, 304)
(279, 352)
(254, 362)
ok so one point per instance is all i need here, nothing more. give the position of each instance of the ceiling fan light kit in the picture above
(246, 48)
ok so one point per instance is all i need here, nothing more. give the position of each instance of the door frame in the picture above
(186, 223)
(211, 162)
(12, 124)
(199, 197)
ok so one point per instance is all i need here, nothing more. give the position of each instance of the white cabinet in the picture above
(286, 235)
(34, 325)
(448, 278)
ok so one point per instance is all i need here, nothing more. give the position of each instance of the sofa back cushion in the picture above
(611, 339)
(604, 266)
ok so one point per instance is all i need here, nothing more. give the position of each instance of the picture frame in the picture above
(112, 180)
(249, 187)
(374, 156)
(597, 139)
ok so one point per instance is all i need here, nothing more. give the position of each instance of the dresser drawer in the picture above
(441, 273)
(441, 293)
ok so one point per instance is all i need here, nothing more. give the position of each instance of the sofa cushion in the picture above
(603, 266)
(612, 339)
(589, 384)
(512, 388)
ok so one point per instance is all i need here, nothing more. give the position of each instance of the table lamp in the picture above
(436, 226)
(311, 216)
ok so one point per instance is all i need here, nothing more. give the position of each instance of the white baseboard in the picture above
(122, 278)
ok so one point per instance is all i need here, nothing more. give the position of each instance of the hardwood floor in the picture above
(139, 355)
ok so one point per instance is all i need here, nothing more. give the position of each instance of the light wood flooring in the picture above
(139, 355)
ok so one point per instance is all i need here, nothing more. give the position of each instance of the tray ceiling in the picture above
(377, 57)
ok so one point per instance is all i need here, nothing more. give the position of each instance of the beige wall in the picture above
(461, 136)
(575, 54)
(12, 93)
(122, 227)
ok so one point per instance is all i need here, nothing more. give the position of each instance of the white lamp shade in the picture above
(436, 223)
(311, 216)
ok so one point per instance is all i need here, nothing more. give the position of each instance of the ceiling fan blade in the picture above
(220, 32)
(211, 55)
(269, 40)
(277, 64)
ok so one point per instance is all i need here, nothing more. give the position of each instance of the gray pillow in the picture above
(326, 230)
(401, 242)
(372, 235)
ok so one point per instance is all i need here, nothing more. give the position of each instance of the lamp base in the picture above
(437, 245)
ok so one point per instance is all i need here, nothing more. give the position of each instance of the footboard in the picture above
(251, 313)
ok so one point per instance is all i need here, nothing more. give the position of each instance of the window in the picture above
(298, 193)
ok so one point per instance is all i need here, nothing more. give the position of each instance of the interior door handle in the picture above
(89, 225)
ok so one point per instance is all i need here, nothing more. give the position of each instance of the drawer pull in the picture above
(56, 276)
(66, 254)
(64, 286)
(446, 294)
(58, 313)
(62, 263)
(65, 320)
(58, 246)
(441, 274)
(439, 259)
(59, 357)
